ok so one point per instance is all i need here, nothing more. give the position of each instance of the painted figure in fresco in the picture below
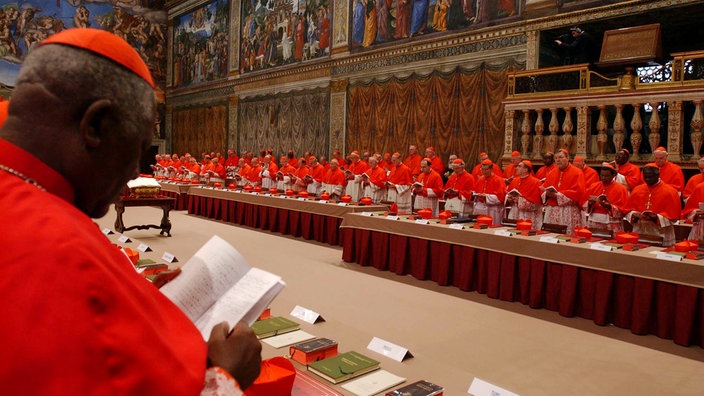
(82, 17)
(440, 15)
(382, 17)
(419, 17)
(403, 18)
(370, 23)
(300, 35)
(324, 30)
(455, 15)
(286, 42)
(358, 14)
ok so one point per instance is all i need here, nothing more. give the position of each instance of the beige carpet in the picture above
(454, 336)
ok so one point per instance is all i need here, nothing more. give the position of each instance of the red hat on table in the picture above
(515, 153)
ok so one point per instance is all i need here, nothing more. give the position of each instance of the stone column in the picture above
(509, 120)
(338, 115)
(583, 131)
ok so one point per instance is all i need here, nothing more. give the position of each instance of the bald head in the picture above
(101, 112)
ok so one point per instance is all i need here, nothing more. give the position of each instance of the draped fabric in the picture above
(196, 130)
(458, 112)
(298, 121)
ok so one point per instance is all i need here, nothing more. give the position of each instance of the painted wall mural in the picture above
(281, 32)
(379, 21)
(201, 40)
(25, 23)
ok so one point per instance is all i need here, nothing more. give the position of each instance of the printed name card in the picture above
(107, 231)
(502, 232)
(301, 199)
(323, 201)
(601, 246)
(368, 214)
(456, 226)
(391, 217)
(388, 349)
(124, 239)
(549, 239)
(422, 221)
(267, 194)
(483, 388)
(668, 256)
(306, 315)
(143, 247)
(169, 258)
(341, 204)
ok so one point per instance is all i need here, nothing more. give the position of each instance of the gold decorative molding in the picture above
(339, 85)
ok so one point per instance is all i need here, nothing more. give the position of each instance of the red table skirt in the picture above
(181, 202)
(642, 305)
(307, 225)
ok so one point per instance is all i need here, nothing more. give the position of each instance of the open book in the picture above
(217, 284)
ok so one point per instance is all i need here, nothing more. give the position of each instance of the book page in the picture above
(206, 277)
(246, 300)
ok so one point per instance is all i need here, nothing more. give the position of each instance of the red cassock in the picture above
(632, 174)
(219, 170)
(692, 183)
(464, 184)
(254, 175)
(591, 176)
(377, 176)
(543, 172)
(528, 186)
(671, 174)
(318, 173)
(413, 163)
(336, 177)
(78, 318)
(358, 167)
(616, 193)
(432, 181)
(660, 198)
(401, 175)
(568, 181)
(437, 165)
(492, 185)
(477, 171)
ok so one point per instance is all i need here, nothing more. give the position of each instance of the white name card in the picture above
(368, 214)
(456, 226)
(143, 247)
(169, 258)
(323, 201)
(502, 232)
(422, 221)
(267, 194)
(549, 239)
(306, 315)
(123, 239)
(388, 349)
(107, 231)
(601, 246)
(301, 199)
(483, 388)
(341, 204)
(668, 256)
(391, 217)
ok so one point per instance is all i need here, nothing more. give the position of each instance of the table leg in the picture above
(165, 222)
(119, 225)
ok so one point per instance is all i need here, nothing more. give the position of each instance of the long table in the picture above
(633, 290)
(178, 191)
(306, 218)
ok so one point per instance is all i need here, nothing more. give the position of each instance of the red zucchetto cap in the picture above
(431, 148)
(660, 149)
(397, 154)
(105, 44)
(355, 152)
(608, 166)
(458, 162)
(487, 162)
(515, 154)
(651, 165)
(578, 159)
(482, 154)
(527, 163)
(625, 151)
(312, 158)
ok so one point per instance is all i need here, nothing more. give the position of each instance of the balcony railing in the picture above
(593, 116)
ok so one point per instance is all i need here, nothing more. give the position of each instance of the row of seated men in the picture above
(559, 193)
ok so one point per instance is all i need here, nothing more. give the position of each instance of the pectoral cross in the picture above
(647, 204)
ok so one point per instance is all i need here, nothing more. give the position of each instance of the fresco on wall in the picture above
(200, 44)
(379, 21)
(24, 24)
(280, 32)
